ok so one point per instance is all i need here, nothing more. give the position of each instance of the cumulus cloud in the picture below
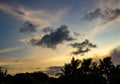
(11, 10)
(28, 27)
(106, 14)
(82, 47)
(54, 38)
(115, 54)
(53, 70)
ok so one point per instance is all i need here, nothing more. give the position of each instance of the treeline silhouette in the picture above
(84, 71)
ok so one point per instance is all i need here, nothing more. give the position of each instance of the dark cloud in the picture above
(53, 70)
(47, 30)
(33, 41)
(106, 14)
(115, 54)
(115, 13)
(92, 15)
(28, 27)
(82, 47)
(54, 38)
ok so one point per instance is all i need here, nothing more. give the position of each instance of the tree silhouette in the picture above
(3, 73)
(115, 75)
(67, 69)
(71, 67)
(85, 66)
(84, 71)
(89, 72)
(75, 64)
(106, 66)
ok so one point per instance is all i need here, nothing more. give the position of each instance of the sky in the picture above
(44, 34)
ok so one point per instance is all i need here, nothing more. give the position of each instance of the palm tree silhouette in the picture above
(105, 67)
(71, 67)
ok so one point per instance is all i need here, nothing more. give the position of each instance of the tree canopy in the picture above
(84, 71)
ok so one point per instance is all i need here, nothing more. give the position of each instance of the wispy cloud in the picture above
(43, 17)
(108, 4)
(103, 18)
(97, 29)
(106, 13)
(10, 10)
(9, 49)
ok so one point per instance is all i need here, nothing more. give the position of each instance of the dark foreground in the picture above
(75, 72)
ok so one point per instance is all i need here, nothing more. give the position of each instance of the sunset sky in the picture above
(44, 34)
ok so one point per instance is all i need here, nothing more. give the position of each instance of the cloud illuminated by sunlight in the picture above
(9, 49)
(108, 4)
(101, 27)
(42, 17)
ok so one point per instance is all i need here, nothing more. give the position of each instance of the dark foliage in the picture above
(76, 72)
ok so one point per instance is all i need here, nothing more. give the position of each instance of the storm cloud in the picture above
(28, 27)
(106, 14)
(54, 38)
(82, 47)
